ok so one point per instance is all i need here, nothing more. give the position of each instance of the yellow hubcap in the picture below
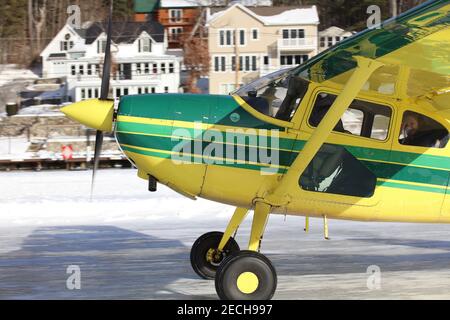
(247, 282)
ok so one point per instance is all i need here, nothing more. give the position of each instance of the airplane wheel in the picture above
(205, 258)
(247, 275)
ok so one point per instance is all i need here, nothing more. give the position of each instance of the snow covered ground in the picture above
(11, 72)
(132, 244)
(13, 147)
(62, 197)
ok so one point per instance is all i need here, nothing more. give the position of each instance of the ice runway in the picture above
(132, 244)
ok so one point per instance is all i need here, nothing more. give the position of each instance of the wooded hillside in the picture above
(26, 26)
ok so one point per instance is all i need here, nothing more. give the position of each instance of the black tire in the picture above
(210, 241)
(246, 262)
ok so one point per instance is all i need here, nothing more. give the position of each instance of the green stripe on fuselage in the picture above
(407, 158)
(384, 170)
(198, 159)
(216, 149)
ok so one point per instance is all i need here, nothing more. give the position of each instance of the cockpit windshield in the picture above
(277, 95)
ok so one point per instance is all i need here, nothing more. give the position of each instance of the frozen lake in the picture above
(132, 244)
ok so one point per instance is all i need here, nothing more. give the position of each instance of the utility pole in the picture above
(237, 59)
(393, 7)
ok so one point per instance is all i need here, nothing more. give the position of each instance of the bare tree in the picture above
(196, 53)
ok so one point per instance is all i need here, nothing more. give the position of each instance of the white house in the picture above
(331, 36)
(141, 63)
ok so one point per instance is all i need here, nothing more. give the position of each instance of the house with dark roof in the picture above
(141, 60)
(179, 17)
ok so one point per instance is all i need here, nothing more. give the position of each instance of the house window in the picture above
(330, 42)
(255, 34)
(83, 94)
(146, 68)
(125, 91)
(293, 33)
(138, 68)
(145, 45)
(337, 39)
(153, 90)
(227, 37)
(163, 68)
(242, 37)
(73, 70)
(266, 60)
(171, 68)
(155, 68)
(81, 69)
(176, 15)
(101, 46)
(293, 60)
(220, 64)
(89, 69)
(89, 93)
(175, 33)
(97, 93)
(118, 94)
(166, 89)
(322, 42)
(139, 90)
(222, 37)
(246, 63)
(66, 45)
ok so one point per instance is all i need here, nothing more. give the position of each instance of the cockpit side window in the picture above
(362, 118)
(277, 95)
(421, 131)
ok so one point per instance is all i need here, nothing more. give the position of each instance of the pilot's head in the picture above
(410, 124)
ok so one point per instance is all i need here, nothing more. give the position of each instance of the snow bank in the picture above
(9, 73)
(13, 147)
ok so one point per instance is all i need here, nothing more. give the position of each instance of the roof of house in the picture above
(333, 30)
(146, 6)
(123, 32)
(182, 3)
(285, 15)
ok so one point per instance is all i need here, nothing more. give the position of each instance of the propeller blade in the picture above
(103, 96)
(98, 151)
(107, 62)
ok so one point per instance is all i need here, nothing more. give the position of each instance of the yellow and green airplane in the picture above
(359, 132)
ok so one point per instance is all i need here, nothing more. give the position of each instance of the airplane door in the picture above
(344, 174)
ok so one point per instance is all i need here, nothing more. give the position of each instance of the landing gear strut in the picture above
(239, 275)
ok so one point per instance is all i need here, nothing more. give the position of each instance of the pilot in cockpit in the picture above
(418, 130)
